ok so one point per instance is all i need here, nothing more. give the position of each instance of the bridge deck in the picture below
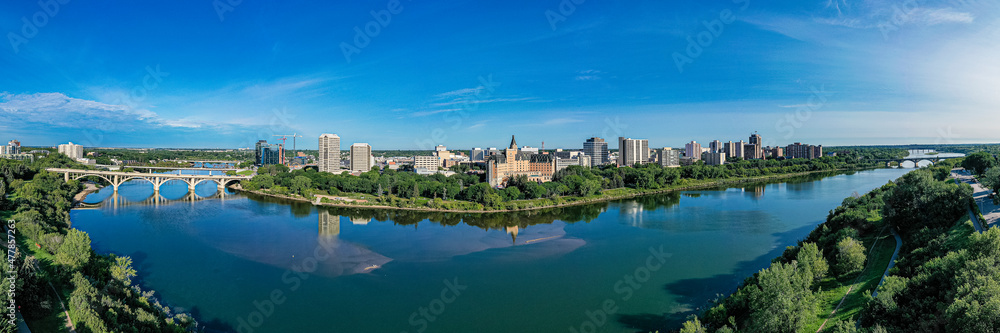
(143, 175)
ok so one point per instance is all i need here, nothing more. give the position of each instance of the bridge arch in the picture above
(95, 175)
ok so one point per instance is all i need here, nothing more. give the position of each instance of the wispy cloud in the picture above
(588, 75)
(59, 110)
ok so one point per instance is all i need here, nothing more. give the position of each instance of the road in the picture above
(990, 211)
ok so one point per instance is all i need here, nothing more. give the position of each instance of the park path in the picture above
(892, 262)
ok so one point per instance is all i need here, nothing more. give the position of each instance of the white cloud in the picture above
(59, 110)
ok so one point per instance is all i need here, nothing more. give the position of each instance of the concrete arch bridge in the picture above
(118, 178)
(916, 160)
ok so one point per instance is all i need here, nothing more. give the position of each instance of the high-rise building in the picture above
(774, 152)
(361, 157)
(715, 146)
(752, 152)
(668, 157)
(269, 154)
(329, 153)
(597, 149)
(477, 154)
(692, 150)
(431, 163)
(71, 150)
(757, 151)
(715, 158)
(632, 151)
(729, 148)
(13, 147)
(799, 150)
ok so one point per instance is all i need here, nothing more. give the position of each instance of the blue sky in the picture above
(471, 73)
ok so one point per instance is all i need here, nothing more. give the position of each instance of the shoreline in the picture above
(712, 184)
(91, 188)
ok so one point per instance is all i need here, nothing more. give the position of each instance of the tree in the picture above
(850, 256)
(122, 270)
(300, 183)
(917, 201)
(511, 194)
(782, 299)
(75, 250)
(810, 259)
(979, 162)
(693, 325)
(990, 179)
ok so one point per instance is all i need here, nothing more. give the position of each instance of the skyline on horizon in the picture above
(469, 74)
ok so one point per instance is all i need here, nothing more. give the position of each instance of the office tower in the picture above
(597, 149)
(269, 154)
(692, 150)
(632, 151)
(329, 153)
(361, 157)
(71, 150)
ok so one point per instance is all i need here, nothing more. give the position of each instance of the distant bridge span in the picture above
(917, 160)
(157, 179)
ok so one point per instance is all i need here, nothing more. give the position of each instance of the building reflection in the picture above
(360, 220)
(756, 192)
(512, 231)
(329, 225)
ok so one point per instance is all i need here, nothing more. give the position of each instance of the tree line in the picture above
(102, 295)
(946, 281)
(471, 191)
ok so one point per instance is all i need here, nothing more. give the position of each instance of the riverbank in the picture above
(91, 188)
(559, 202)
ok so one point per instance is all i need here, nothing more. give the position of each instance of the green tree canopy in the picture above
(979, 162)
(850, 256)
(75, 250)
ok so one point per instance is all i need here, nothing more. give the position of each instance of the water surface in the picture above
(652, 261)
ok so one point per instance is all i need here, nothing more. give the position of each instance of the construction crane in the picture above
(285, 137)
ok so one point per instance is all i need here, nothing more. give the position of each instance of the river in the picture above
(249, 264)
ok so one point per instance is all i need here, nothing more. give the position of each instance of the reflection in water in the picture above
(328, 225)
(755, 191)
(360, 220)
(221, 259)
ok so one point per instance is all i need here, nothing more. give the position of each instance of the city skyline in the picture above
(467, 74)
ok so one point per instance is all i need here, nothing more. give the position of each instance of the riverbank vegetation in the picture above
(57, 269)
(945, 281)
(390, 188)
